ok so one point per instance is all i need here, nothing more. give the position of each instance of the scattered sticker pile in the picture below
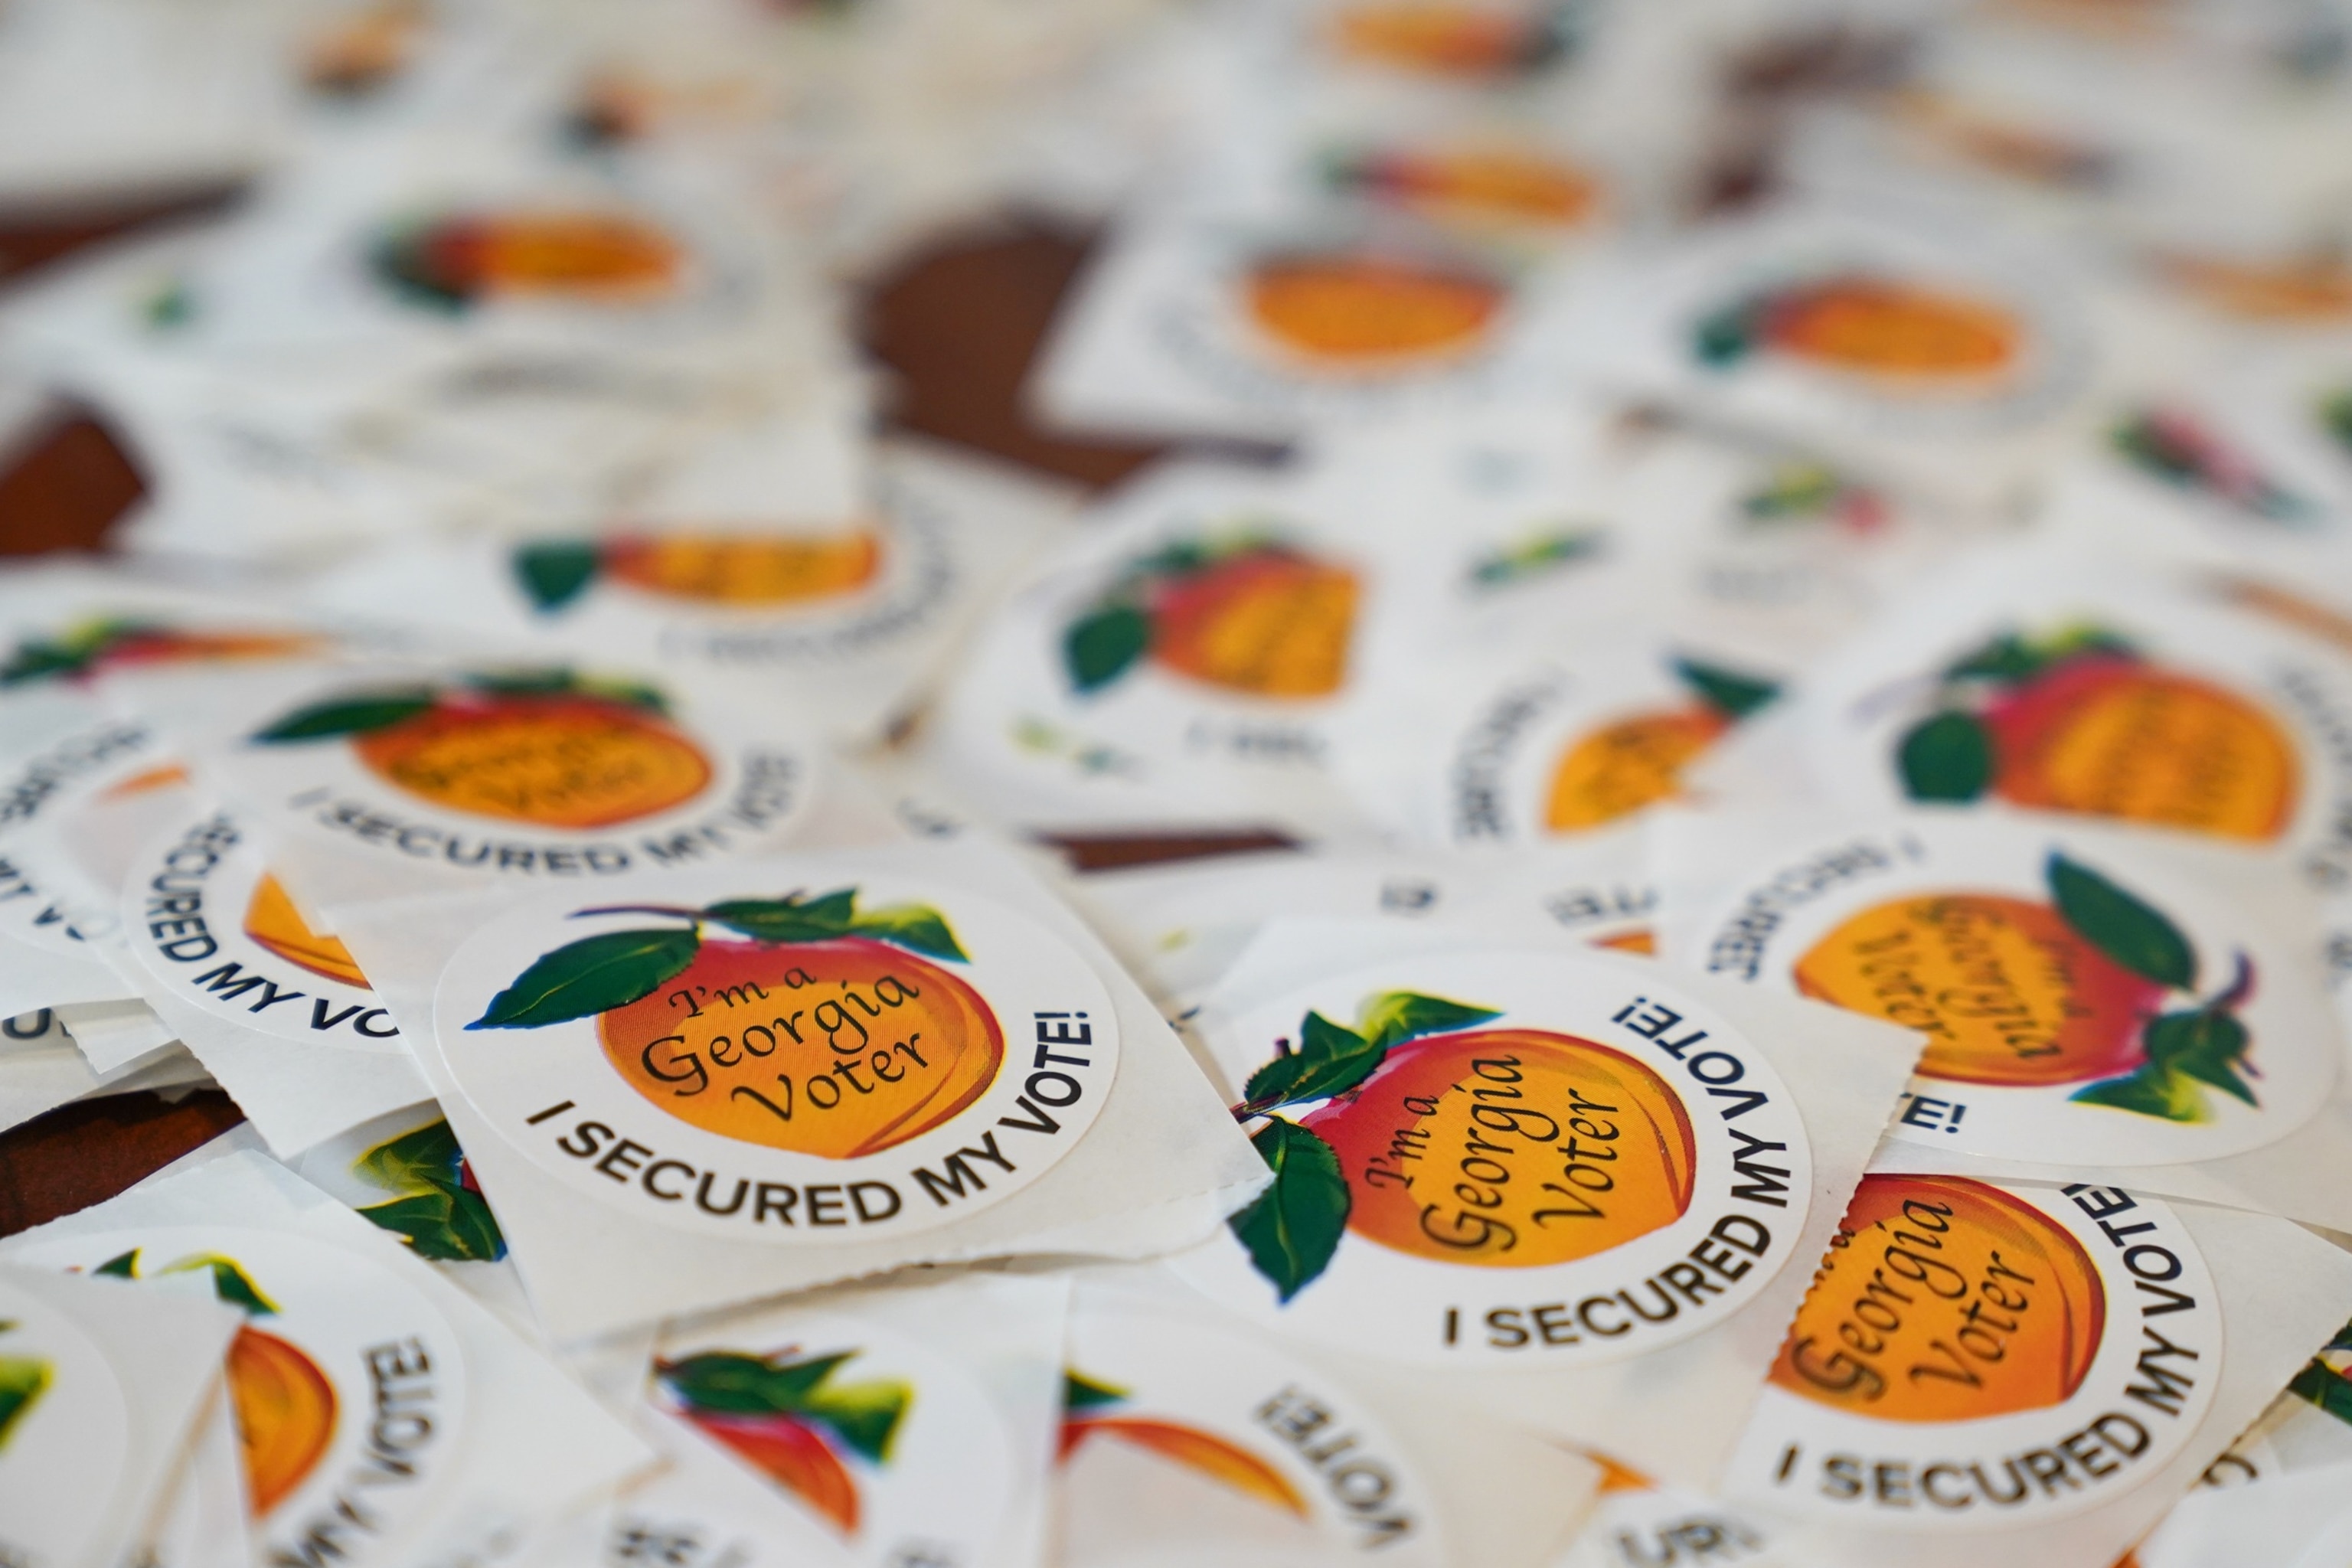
(1797, 641)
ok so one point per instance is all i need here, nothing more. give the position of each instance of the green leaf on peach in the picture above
(356, 715)
(733, 1382)
(917, 927)
(1101, 647)
(2133, 933)
(553, 573)
(595, 974)
(863, 1416)
(1948, 757)
(1395, 1016)
(2150, 1091)
(1330, 1059)
(1293, 1229)
(1080, 1392)
(1729, 693)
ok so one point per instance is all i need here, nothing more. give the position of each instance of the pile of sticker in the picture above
(1814, 738)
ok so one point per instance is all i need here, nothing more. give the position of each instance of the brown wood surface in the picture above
(956, 326)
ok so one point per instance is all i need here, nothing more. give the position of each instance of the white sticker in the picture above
(1976, 1356)
(1275, 1454)
(221, 934)
(781, 1065)
(538, 774)
(350, 1386)
(2080, 1002)
(1508, 1158)
(65, 1432)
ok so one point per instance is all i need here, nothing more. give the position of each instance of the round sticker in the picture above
(1508, 1158)
(1204, 658)
(1979, 1355)
(1179, 1432)
(207, 919)
(791, 1067)
(732, 600)
(349, 1385)
(65, 1434)
(538, 774)
(2077, 1004)
(71, 766)
(892, 1446)
(1562, 750)
(1886, 341)
(2099, 701)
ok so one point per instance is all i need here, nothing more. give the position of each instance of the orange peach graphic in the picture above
(285, 1415)
(1367, 311)
(271, 920)
(2007, 1316)
(840, 1047)
(2006, 991)
(1203, 1452)
(1625, 766)
(763, 570)
(563, 761)
(2117, 737)
(1415, 1142)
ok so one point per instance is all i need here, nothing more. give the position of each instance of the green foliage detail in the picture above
(864, 1417)
(916, 927)
(2167, 1095)
(1794, 490)
(1947, 757)
(598, 973)
(1331, 1059)
(1393, 1017)
(1101, 647)
(2323, 1384)
(2134, 934)
(555, 571)
(76, 652)
(440, 1217)
(2188, 1051)
(354, 715)
(1080, 1392)
(2335, 416)
(2010, 659)
(595, 974)
(1292, 1229)
(1723, 338)
(229, 1281)
(1537, 556)
(23, 1381)
(1733, 695)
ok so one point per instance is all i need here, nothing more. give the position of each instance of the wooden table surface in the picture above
(956, 326)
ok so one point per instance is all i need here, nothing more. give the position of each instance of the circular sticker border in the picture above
(1721, 1252)
(1061, 1064)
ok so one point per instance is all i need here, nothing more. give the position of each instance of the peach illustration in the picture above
(2013, 1323)
(1203, 1452)
(2117, 737)
(2005, 990)
(271, 920)
(546, 749)
(586, 256)
(1249, 615)
(1872, 326)
(764, 570)
(1362, 311)
(285, 1415)
(840, 1047)
(1423, 1101)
